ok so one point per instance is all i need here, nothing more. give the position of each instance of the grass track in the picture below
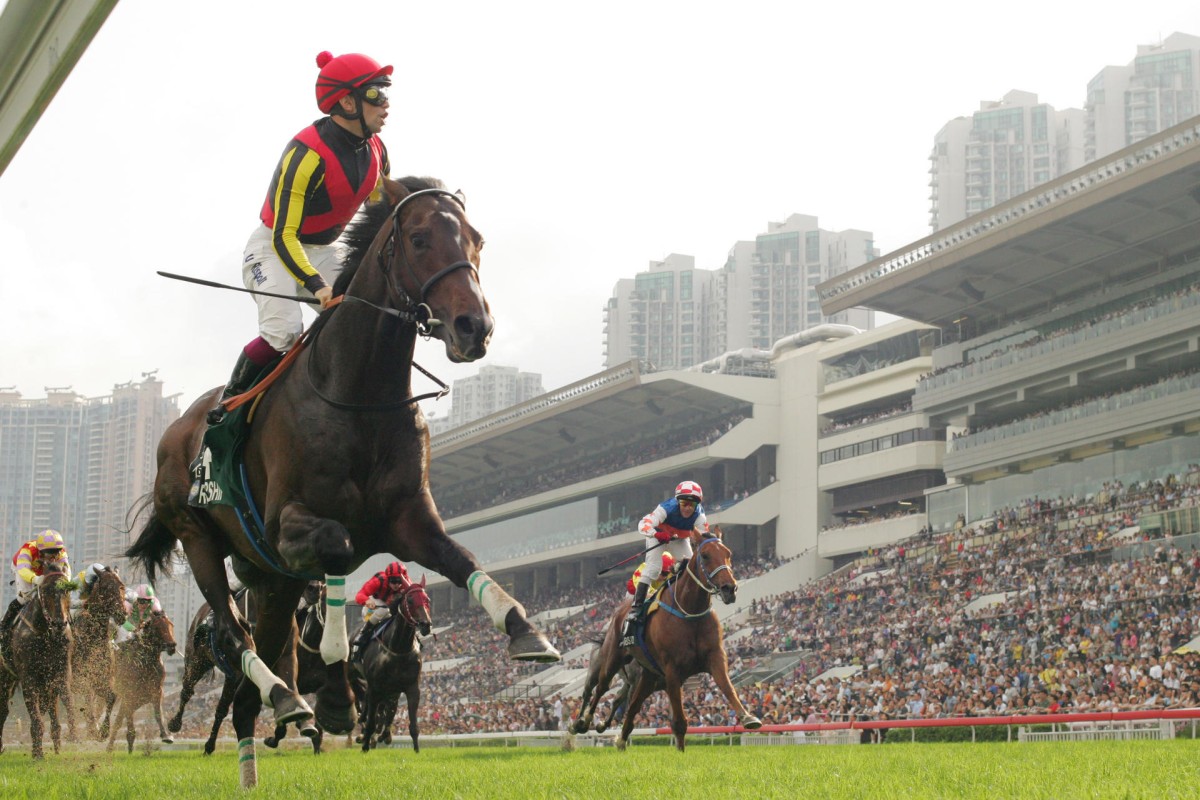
(1157, 770)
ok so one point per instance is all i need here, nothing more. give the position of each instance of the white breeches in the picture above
(280, 321)
(679, 548)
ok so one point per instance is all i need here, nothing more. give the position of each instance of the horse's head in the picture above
(162, 632)
(54, 595)
(107, 597)
(714, 562)
(413, 606)
(314, 593)
(430, 253)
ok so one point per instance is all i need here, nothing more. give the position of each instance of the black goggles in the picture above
(376, 94)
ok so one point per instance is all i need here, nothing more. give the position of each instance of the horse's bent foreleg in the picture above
(219, 714)
(158, 717)
(196, 667)
(421, 534)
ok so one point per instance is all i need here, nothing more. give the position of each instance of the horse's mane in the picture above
(361, 231)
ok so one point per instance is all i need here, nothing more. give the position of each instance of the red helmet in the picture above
(339, 76)
(396, 570)
(689, 490)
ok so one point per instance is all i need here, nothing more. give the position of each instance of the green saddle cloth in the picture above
(217, 468)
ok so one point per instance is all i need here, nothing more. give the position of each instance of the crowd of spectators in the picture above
(1049, 607)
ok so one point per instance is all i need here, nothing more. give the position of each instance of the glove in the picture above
(663, 536)
(372, 602)
(37, 580)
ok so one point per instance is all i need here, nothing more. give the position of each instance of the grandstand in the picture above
(1003, 449)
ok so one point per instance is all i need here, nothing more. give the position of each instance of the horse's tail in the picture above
(153, 548)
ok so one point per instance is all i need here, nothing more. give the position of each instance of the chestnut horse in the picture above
(682, 638)
(91, 659)
(337, 462)
(41, 659)
(138, 675)
(391, 666)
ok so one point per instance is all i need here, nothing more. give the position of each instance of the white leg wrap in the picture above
(247, 766)
(495, 601)
(260, 675)
(334, 644)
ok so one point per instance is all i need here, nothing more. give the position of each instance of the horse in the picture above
(682, 639)
(199, 661)
(41, 659)
(138, 675)
(91, 658)
(391, 664)
(337, 461)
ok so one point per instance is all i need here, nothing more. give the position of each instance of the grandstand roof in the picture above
(580, 417)
(1118, 215)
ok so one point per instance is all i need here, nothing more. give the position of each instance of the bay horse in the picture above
(41, 659)
(683, 638)
(310, 667)
(199, 661)
(391, 665)
(92, 656)
(138, 675)
(337, 461)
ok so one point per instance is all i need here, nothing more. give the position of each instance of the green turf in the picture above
(1157, 770)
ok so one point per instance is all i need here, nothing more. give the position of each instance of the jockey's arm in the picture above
(24, 565)
(295, 189)
(367, 591)
(651, 521)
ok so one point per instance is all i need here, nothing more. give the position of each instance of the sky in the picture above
(590, 139)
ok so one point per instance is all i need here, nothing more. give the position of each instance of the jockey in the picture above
(326, 173)
(671, 523)
(86, 580)
(668, 564)
(140, 603)
(44, 553)
(374, 597)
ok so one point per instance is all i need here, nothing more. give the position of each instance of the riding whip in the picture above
(631, 558)
(311, 300)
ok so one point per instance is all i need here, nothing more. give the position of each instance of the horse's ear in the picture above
(423, 580)
(462, 196)
(395, 190)
(717, 532)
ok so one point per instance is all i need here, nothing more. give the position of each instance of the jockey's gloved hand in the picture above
(663, 536)
(37, 579)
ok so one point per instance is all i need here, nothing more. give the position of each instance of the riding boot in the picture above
(637, 614)
(359, 644)
(6, 626)
(243, 375)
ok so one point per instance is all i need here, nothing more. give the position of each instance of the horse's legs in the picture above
(219, 714)
(55, 728)
(158, 717)
(116, 723)
(413, 693)
(195, 668)
(130, 733)
(6, 690)
(304, 535)
(368, 725)
(106, 725)
(421, 536)
(678, 716)
(718, 668)
(644, 686)
(35, 723)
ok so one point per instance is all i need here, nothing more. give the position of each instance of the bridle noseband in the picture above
(690, 571)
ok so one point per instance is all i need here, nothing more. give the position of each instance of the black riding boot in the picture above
(360, 640)
(6, 626)
(243, 374)
(637, 614)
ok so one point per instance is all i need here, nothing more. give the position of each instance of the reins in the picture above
(711, 589)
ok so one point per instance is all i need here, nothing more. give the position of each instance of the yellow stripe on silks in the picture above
(495, 601)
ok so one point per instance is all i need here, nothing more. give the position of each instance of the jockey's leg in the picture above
(418, 534)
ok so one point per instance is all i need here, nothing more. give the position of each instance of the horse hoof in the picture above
(336, 720)
(533, 647)
(289, 707)
(621, 744)
(308, 729)
(751, 722)
(175, 725)
(209, 747)
(168, 740)
(568, 743)
(271, 742)
(601, 727)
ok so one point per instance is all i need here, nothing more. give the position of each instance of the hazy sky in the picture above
(590, 139)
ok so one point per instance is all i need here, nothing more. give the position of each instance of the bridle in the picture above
(52, 625)
(408, 595)
(690, 571)
(415, 312)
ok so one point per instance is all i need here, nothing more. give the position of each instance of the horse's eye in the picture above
(419, 240)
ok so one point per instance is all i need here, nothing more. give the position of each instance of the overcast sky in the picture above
(590, 139)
